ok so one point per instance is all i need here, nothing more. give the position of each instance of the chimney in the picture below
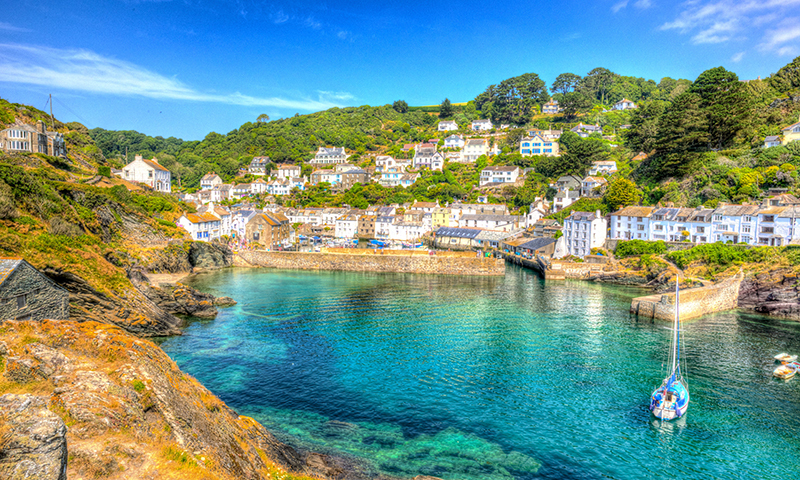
(154, 160)
(598, 214)
(138, 157)
(40, 125)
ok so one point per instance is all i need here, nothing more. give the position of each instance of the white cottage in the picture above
(148, 172)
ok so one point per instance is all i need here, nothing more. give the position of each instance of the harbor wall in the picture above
(444, 263)
(695, 302)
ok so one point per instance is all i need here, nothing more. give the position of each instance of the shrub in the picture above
(712, 254)
(104, 171)
(632, 248)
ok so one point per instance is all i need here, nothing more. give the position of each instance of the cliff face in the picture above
(772, 293)
(118, 407)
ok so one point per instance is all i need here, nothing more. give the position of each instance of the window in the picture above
(767, 230)
(640, 219)
(717, 218)
(658, 227)
(22, 301)
(747, 219)
(640, 227)
(769, 218)
(746, 229)
(701, 229)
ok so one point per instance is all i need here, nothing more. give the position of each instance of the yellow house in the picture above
(440, 217)
(791, 133)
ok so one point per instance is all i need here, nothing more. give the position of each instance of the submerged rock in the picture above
(33, 440)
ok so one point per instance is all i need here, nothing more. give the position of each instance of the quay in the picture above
(369, 260)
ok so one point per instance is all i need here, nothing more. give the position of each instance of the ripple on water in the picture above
(475, 379)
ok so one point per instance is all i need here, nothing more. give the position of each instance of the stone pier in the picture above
(400, 261)
(695, 302)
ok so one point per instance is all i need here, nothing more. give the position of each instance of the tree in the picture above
(574, 102)
(724, 103)
(263, 118)
(400, 106)
(643, 133)
(682, 135)
(596, 83)
(445, 109)
(787, 78)
(621, 193)
(514, 100)
(582, 154)
(565, 83)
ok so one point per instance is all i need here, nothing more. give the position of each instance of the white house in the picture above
(241, 190)
(772, 141)
(447, 125)
(546, 134)
(408, 179)
(384, 162)
(589, 184)
(329, 156)
(497, 175)
(505, 223)
(565, 198)
(539, 209)
(584, 131)
(427, 156)
(584, 231)
(551, 107)
(258, 166)
(454, 141)
(606, 167)
(239, 222)
(624, 104)
(201, 226)
(209, 181)
(390, 177)
(473, 149)
(287, 170)
(631, 223)
(346, 226)
(258, 187)
(537, 145)
(148, 172)
(482, 125)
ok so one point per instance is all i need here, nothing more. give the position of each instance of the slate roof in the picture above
(490, 217)
(736, 210)
(502, 168)
(154, 165)
(537, 243)
(7, 266)
(772, 138)
(476, 141)
(582, 216)
(458, 232)
(634, 212)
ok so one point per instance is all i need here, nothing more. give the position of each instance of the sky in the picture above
(185, 68)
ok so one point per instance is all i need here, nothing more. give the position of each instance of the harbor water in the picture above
(475, 378)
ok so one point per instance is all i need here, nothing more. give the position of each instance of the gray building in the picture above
(26, 294)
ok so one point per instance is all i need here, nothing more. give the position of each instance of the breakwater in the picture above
(443, 263)
(695, 302)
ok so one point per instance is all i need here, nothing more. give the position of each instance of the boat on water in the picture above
(785, 371)
(671, 399)
(785, 357)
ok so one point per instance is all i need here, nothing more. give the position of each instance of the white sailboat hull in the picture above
(670, 413)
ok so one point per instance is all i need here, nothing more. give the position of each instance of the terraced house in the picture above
(538, 145)
(23, 137)
(268, 229)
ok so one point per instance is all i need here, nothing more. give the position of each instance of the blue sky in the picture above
(185, 68)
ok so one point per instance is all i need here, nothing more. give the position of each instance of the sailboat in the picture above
(671, 399)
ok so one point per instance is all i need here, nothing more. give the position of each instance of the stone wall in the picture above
(386, 262)
(43, 298)
(695, 302)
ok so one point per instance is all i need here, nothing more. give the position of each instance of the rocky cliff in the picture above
(774, 293)
(88, 400)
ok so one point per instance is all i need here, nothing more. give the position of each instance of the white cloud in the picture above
(7, 27)
(84, 70)
(722, 21)
(279, 17)
(738, 57)
(619, 6)
(777, 38)
(642, 4)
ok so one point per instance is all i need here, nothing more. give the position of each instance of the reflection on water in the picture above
(491, 378)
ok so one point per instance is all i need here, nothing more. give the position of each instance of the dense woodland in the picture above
(702, 139)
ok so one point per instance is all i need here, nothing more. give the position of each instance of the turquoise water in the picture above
(492, 378)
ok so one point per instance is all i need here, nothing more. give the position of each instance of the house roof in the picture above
(155, 165)
(595, 180)
(730, 210)
(7, 267)
(476, 141)
(201, 217)
(425, 205)
(583, 216)
(634, 211)
(790, 126)
(537, 243)
(502, 168)
(772, 138)
(486, 217)
(485, 120)
(288, 166)
(458, 232)
(623, 101)
(209, 176)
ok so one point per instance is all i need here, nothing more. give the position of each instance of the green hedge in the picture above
(633, 248)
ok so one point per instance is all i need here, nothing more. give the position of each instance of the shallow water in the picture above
(492, 378)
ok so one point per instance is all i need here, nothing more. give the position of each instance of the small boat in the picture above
(785, 357)
(671, 399)
(785, 372)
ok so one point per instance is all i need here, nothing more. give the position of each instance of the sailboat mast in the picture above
(676, 327)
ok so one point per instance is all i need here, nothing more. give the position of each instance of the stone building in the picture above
(269, 229)
(366, 226)
(22, 137)
(26, 294)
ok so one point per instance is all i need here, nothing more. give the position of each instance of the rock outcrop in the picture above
(129, 413)
(774, 293)
(33, 440)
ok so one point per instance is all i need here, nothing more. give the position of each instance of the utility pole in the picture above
(52, 122)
